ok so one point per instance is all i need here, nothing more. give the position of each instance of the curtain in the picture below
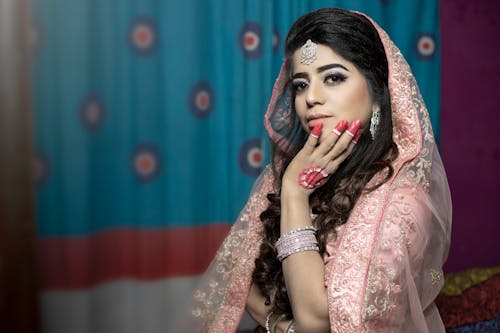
(149, 134)
(18, 275)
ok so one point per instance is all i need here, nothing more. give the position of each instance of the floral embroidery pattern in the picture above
(217, 309)
(379, 258)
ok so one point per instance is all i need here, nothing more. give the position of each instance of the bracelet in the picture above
(290, 328)
(299, 230)
(273, 326)
(290, 238)
(294, 235)
(304, 248)
(268, 318)
(298, 240)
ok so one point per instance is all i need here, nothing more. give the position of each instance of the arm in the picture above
(256, 306)
(304, 272)
(259, 311)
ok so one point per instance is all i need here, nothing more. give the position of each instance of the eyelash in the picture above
(299, 85)
(331, 78)
(336, 77)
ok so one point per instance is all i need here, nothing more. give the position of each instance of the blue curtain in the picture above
(149, 117)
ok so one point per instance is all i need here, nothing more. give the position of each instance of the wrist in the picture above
(274, 325)
(293, 192)
(295, 211)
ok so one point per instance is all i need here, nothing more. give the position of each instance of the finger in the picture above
(320, 178)
(342, 144)
(328, 144)
(313, 177)
(334, 164)
(308, 176)
(353, 142)
(313, 138)
(357, 136)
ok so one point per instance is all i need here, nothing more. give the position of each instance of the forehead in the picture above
(324, 56)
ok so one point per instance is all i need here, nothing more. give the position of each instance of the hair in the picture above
(354, 38)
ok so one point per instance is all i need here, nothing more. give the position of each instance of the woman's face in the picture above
(329, 90)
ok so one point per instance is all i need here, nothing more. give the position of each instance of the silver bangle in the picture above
(268, 318)
(273, 326)
(297, 240)
(298, 249)
(290, 328)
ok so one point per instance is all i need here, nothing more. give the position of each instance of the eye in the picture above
(335, 78)
(299, 85)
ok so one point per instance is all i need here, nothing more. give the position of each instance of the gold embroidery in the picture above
(436, 276)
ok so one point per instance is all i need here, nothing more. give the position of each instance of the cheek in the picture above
(300, 109)
(361, 102)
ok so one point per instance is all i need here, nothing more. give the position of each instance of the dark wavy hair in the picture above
(354, 38)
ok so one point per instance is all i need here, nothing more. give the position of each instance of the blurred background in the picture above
(131, 133)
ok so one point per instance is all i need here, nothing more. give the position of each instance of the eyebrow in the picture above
(319, 70)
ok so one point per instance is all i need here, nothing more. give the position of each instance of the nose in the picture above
(315, 94)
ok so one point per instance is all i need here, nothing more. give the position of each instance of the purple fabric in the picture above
(470, 118)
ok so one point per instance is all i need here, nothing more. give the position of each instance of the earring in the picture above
(374, 121)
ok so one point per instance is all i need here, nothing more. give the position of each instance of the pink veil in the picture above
(384, 269)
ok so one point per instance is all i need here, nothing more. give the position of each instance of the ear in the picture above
(375, 107)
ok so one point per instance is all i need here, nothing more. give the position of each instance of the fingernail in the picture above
(357, 136)
(317, 130)
(340, 128)
(353, 128)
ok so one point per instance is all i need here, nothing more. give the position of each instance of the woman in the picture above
(348, 229)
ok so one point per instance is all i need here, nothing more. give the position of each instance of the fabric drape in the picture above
(19, 307)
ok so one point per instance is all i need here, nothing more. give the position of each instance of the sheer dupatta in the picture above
(384, 269)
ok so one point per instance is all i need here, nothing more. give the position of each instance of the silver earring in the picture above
(374, 121)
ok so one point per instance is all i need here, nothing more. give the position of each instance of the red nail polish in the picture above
(317, 130)
(353, 128)
(340, 128)
(357, 136)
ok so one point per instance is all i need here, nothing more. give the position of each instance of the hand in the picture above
(329, 154)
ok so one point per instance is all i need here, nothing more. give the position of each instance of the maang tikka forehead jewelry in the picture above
(308, 52)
